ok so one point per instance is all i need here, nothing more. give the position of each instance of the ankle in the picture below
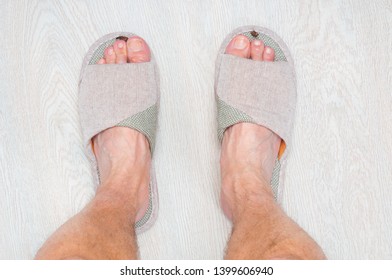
(123, 176)
(247, 184)
(123, 186)
(253, 215)
(115, 200)
(245, 197)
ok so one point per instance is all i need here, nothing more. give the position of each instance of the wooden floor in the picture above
(338, 181)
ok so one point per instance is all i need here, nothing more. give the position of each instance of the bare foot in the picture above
(123, 154)
(249, 151)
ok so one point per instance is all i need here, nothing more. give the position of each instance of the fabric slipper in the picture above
(125, 95)
(260, 92)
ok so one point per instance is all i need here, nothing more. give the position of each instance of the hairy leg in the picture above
(261, 229)
(104, 229)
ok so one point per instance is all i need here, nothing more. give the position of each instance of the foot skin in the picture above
(123, 154)
(249, 151)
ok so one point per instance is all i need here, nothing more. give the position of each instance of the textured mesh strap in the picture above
(145, 122)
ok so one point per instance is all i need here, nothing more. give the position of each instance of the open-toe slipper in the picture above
(260, 92)
(124, 95)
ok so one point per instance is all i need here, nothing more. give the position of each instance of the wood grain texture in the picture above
(338, 176)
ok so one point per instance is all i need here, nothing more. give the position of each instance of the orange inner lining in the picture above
(92, 146)
(282, 148)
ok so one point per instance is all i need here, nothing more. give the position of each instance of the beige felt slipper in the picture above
(260, 92)
(124, 95)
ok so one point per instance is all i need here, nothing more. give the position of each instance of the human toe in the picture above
(257, 50)
(120, 50)
(109, 55)
(269, 54)
(138, 50)
(239, 46)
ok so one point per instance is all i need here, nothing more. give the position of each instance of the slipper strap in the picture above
(119, 95)
(259, 92)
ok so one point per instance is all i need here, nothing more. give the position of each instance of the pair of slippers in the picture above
(128, 95)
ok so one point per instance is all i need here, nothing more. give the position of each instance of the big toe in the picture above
(239, 46)
(138, 50)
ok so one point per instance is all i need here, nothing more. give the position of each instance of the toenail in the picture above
(136, 45)
(110, 51)
(240, 43)
(120, 45)
(257, 42)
